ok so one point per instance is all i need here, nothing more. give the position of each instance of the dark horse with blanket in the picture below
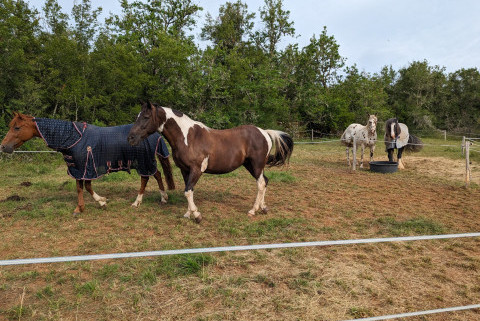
(198, 149)
(91, 152)
(397, 136)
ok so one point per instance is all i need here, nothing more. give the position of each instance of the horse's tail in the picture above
(415, 144)
(283, 148)
(167, 171)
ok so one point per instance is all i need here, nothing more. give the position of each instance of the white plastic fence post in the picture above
(463, 145)
(445, 134)
(312, 135)
(467, 164)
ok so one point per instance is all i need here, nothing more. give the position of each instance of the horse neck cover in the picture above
(91, 151)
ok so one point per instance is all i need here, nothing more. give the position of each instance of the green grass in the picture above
(418, 225)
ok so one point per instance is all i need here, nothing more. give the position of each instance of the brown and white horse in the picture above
(198, 149)
(365, 136)
(24, 127)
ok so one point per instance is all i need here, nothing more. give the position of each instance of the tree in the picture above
(322, 60)
(234, 22)
(277, 25)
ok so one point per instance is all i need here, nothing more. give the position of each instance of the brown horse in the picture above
(197, 149)
(24, 127)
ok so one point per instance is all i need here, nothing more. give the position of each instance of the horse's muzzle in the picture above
(6, 149)
(133, 140)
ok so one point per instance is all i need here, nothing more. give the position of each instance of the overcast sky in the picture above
(371, 33)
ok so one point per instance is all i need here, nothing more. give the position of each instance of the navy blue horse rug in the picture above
(91, 151)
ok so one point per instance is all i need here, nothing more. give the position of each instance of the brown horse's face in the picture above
(148, 122)
(22, 128)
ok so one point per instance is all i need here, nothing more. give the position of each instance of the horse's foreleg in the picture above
(361, 157)
(81, 203)
(190, 180)
(163, 194)
(101, 200)
(390, 154)
(348, 156)
(143, 184)
(399, 158)
(372, 149)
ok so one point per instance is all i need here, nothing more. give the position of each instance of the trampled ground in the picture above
(315, 198)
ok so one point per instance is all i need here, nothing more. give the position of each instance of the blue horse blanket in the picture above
(91, 151)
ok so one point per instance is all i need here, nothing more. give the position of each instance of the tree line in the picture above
(72, 66)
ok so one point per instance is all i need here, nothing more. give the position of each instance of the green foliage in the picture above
(73, 67)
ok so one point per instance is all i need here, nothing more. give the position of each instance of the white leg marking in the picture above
(138, 201)
(164, 196)
(348, 156)
(101, 200)
(204, 164)
(192, 208)
(260, 195)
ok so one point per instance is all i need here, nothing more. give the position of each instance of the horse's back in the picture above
(230, 148)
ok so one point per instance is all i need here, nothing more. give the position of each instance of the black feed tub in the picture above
(383, 167)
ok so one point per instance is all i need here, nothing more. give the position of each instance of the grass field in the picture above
(315, 198)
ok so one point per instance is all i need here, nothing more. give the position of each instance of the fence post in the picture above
(354, 151)
(463, 145)
(312, 135)
(445, 134)
(467, 164)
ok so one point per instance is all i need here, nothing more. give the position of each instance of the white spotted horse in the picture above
(397, 136)
(91, 151)
(365, 136)
(198, 149)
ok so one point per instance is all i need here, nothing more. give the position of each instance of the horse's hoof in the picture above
(187, 215)
(135, 205)
(265, 210)
(163, 201)
(198, 219)
(103, 204)
(251, 213)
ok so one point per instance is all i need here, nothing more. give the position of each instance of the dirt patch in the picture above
(13, 198)
(450, 169)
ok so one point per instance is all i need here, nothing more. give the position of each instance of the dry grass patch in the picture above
(315, 198)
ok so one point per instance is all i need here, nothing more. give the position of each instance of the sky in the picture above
(371, 33)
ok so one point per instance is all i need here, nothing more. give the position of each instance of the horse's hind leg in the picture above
(143, 184)
(262, 182)
(163, 194)
(81, 202)
(101, 200)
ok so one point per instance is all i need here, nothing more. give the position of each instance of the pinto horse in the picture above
(397, 136)
(365, 136)
(90, 152)
(197, 149)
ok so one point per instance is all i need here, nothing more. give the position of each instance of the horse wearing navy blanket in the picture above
(91, 152)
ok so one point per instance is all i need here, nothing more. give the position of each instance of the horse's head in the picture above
(22, 128)
(149, 120)
(393, 128)
(372, 123)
